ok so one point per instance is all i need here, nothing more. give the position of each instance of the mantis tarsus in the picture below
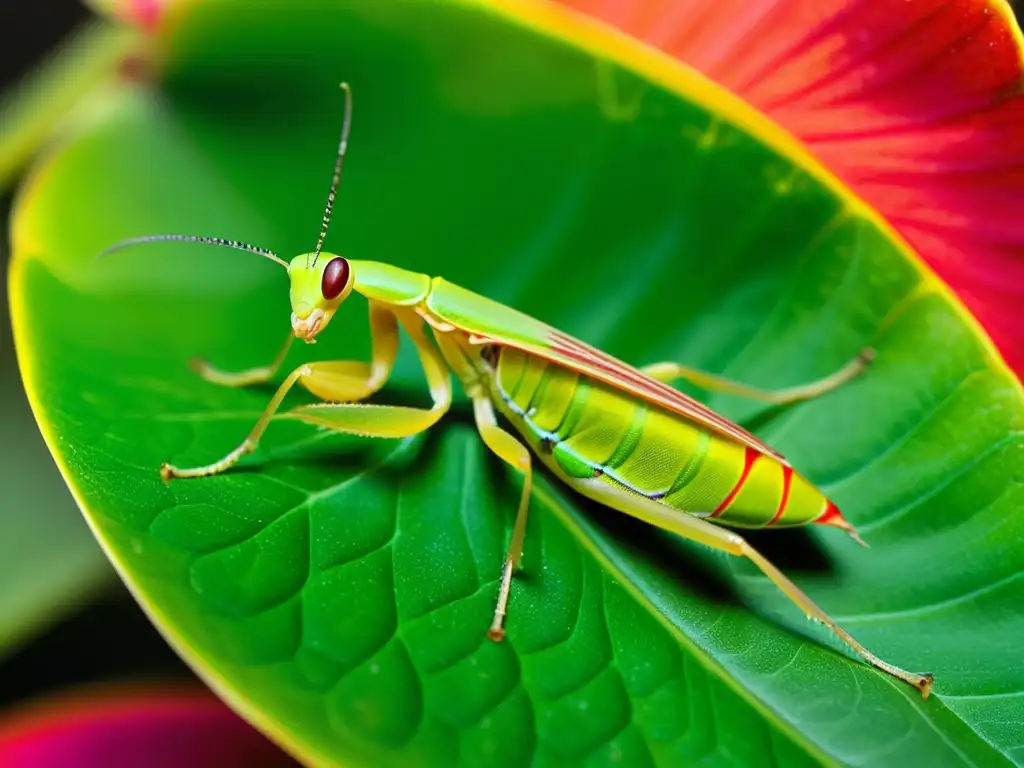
(615, 433)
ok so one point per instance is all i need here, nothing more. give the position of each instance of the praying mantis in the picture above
(614, 433)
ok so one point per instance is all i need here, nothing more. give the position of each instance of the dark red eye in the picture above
(335, 278)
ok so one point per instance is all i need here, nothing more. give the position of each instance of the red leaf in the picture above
(915, 104)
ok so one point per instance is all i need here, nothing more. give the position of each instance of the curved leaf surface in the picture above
(336, 591)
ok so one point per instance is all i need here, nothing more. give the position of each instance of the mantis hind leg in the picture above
(334, 381)
(711, 535)
(668, 372)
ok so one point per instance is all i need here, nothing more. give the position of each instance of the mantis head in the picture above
(319, 281)
(317, 290)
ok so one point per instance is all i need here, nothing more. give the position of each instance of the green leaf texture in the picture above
(49, 564)
(337, 591)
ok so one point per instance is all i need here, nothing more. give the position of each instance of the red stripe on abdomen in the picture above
(832, 516)
(787, 481)
(749, 457)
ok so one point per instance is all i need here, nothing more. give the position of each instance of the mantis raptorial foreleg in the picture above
(387, 420)
(354, 380)
(245, 378)
(365, 379)
(709, 534)
(334, 381)
(668, 372)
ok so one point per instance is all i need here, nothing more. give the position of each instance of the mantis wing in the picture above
(489, 322)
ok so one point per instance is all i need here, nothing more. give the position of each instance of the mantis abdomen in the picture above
(587, 429)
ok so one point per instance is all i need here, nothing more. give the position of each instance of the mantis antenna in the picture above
(342, 146)
(196, 239)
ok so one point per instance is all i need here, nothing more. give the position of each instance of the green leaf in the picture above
(336, 591)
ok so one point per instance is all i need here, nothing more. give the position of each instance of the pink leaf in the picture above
(114, 725)
(915, 104)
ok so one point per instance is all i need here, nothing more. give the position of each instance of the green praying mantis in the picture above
(617, 434)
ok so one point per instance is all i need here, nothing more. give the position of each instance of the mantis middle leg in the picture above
(334, 381)
(668, 372)
(510, 450)
(506, 447)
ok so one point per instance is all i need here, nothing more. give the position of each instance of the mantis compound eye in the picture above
(335, 278)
